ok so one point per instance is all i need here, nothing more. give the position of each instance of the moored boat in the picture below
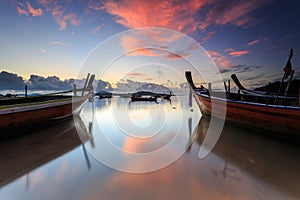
(19, 113)
(251, 110)
(144, 96)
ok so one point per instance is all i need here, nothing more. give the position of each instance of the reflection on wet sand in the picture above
(242, 165)
(269, 161)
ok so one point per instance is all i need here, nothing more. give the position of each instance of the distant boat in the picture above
(29, 112)
(103, 94)
(251, 109)
(144, 96)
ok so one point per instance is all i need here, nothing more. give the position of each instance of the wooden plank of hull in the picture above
(281, 119)
(33, 115)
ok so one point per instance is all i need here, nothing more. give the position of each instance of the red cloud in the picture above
(34, 12)
(22, 12)
(238, 53)
(179, 15)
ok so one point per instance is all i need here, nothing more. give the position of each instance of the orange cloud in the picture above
(136, 74)
(132, 45)
(58, 13)
(149, 79)
(152, 42)
(96, 30)
(238, 53)
(176, 55)
(180, 15)
(21, 11)
(72, 19)
(220, 59)
(34, 12)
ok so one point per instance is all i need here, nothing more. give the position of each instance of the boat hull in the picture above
(274, 118)
(17, 118)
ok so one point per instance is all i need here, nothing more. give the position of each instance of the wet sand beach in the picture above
(242, 165)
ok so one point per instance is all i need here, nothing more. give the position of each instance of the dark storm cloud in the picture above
(11, 81)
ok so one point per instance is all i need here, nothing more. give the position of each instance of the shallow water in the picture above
(54, 164)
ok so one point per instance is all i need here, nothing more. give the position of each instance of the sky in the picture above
(54, 38)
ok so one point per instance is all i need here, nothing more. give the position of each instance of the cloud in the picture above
(176, 55)
(238, 53)
(136, 74)
(34, 12)
(149, 79)
(219, 59)
(22, 12)
(286, 37)
(50, 83)
(273, 48)
(58, 43)
(132, 45)
(43, 51)
(229, 50)
(207, 37)
(72, 19)
(234, 53)
(11, 81)
(59, 14)
(62, 20)
(232, 12)
(97, 29)
(19, 3)
(253, 42)
(153, 42)
(180, 15)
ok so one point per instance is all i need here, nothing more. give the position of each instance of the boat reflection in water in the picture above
(242, 165)
(20, 156)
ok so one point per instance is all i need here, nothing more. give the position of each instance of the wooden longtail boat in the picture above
(251, 110)
(144, 96)
(20, 113)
